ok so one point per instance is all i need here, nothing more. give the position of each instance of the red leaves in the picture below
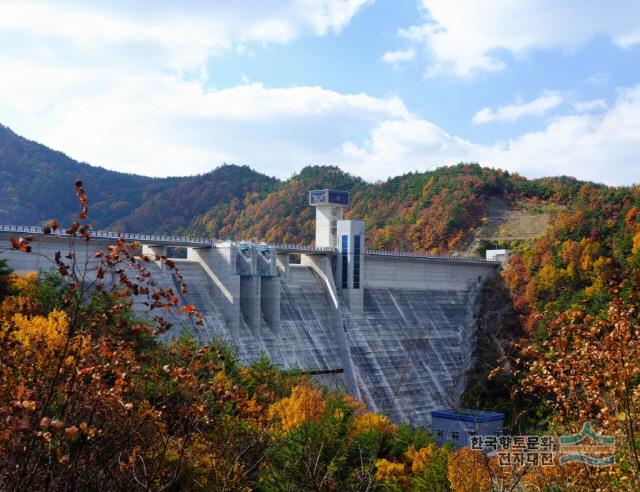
(189, 309)
(52, 226)
(22, 244)
(62, 267)
(57, 424)
(81, 196)
(84, 232)
(71, 432)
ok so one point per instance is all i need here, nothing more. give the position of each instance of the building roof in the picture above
(467, 415)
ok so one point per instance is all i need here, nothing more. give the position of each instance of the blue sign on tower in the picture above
(329, 197)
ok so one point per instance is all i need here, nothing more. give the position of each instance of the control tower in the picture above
(329, 208)
(347, 238)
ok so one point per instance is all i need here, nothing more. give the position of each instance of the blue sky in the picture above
(378, 88)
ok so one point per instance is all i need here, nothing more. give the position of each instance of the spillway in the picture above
(409, 348)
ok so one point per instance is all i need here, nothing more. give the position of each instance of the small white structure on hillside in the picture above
(498, 255)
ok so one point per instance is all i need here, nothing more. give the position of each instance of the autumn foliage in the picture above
(90, 399)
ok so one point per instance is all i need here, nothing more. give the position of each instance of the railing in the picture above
(468, 259)
(301, 247)
(112, 235)
(210, 242)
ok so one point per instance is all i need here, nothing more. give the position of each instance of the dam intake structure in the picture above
(396, 330)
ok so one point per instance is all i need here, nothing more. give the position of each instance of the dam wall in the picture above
(396, 330)
(404, 351)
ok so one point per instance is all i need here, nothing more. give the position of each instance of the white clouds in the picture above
(124, 84)
(159, 124)
(135, 96)
(187, 33)
(399, 56)
(600, 147)
(400, 146)
(593, 105)
(537, 107)
(466, 36)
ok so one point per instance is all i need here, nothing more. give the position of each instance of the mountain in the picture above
(36, 184)
(445, 210)
(440, 211)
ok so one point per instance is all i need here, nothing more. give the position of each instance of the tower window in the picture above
(356, 261)
(345, 261)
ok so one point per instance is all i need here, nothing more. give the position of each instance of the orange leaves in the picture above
(588, 370)
(71, 432)
(420, 458)
(22, 244)
(469, 471)
(189, 309)
(82, 198)
(57, 424)
(51, 226)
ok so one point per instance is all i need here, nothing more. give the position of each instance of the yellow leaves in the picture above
(29, 405)
(388, 471)
(467, 471)
(16, 304)
(372, 421)
(594, 289)
(636, 243)
(419, 459)
(52, 328)
(622, 416)
(25, 285)
(45, 336)
(551, 278)
(244, 373)
(305, 403)
(221, 380)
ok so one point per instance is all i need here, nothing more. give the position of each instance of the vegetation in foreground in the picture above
(90, 400)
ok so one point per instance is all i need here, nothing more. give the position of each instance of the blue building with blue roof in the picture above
(457, 426)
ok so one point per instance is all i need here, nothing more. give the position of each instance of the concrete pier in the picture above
(219, 263)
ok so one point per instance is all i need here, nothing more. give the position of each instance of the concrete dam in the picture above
(396, 330)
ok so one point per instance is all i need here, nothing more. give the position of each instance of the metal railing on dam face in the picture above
(164, 239)
(209, 243)
(403, 254)
(153, 238)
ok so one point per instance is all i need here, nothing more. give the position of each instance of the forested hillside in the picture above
(89, 395)
(433, 211)
(35, 183)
